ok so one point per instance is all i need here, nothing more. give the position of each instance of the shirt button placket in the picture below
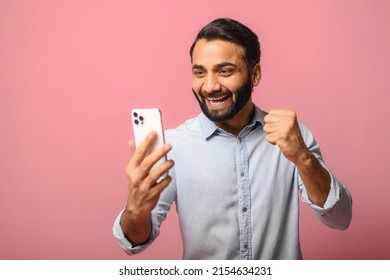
(244, 199)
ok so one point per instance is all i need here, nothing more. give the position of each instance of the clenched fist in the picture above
(283, 130)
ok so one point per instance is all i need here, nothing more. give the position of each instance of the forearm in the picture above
(136, 229)
(315, 177)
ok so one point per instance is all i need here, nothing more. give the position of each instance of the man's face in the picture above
(220, 79)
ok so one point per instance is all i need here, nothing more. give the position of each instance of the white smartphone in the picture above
(144, 121)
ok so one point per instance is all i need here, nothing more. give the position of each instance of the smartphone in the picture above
(144, 121)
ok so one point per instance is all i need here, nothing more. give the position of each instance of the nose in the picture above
(211, 84)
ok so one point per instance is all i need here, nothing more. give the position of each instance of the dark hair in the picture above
(232, 31)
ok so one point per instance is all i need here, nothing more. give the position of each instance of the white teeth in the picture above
(216, 99)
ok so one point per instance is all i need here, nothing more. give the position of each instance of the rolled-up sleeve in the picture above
(125, 243)
(337, 210)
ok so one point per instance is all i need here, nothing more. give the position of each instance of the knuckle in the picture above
(146, 163)
(150, 178)
(269, 137)
(141, 151)
(133, 182)
(133, 178)
(292, 114)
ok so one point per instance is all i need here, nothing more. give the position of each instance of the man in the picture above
(235, 171)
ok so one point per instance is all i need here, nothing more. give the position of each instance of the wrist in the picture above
(136, 228)
(134, 215)
(305, 158)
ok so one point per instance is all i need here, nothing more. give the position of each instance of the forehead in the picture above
(216, 52)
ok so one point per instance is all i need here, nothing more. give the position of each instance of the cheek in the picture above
(196, 93)
(196, 85)
(232, 86)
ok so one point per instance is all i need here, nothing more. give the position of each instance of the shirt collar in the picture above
(208, 127)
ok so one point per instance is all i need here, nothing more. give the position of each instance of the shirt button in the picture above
(244, 209)
(245, 246)
(242, 173)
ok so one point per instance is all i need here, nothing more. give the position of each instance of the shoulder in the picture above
(189, 127)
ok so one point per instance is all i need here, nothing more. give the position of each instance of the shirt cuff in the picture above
(124, 242)
(334, 195)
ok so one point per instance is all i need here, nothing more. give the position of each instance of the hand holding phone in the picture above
(144, 185)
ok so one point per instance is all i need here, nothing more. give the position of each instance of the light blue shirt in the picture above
(238, 197)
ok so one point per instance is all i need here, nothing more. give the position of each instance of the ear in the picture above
(256, 74)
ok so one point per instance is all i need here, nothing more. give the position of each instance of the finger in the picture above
(280, 115)
(271, 138)
(140, 164)
(132, 147)
(129, 164)
(271, 128)
(150, 160)
(138, 154)
(272, 118)
(158, 188)
(157, 173)
(285, 112)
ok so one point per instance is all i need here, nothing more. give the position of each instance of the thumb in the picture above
(132, 146)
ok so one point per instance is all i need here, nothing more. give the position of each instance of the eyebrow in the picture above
(224, 64)
(219, 65)
(197, 66)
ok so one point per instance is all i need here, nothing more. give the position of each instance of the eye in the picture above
(225, 72)
(198, 73)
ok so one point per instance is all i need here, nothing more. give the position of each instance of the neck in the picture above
(239, 121)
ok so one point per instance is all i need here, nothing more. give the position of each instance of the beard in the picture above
(243, 95)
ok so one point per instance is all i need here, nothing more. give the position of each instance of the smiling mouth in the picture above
(218, 101)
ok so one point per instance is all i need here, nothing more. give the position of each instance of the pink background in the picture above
(70, 71)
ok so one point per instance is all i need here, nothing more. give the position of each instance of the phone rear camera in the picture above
(136, 121)
(135, 114)
(141, 118)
